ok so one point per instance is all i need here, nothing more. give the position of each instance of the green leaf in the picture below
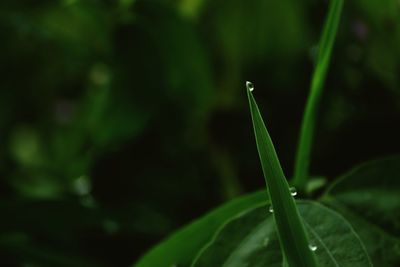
(369, 198)
(317, 83)
(292, 235)
(182, 247)
(251, 240)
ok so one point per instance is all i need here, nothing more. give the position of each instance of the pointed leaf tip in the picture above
(249, 86)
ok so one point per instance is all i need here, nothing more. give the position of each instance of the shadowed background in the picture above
(120, 121)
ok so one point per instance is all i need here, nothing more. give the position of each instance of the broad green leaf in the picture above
(317, 83)
(369, 198)
(251, 240)
(291, 232)
(182, 247)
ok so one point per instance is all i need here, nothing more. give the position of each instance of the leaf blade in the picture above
(251, 240)
(369, 198)
(182, 246)
(291, 232)
(302, 160)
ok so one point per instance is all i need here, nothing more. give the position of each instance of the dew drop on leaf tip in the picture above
(249, 86)
(271, 209)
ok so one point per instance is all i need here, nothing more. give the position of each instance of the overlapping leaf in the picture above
(293, 238)
(183, 246)
(251, 240)
(369, 198)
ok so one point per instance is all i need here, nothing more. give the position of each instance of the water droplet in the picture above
(312, 247)
(271, 209)
(265, 241)
(249, 86)
(293, 191)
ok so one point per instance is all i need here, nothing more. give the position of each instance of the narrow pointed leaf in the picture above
(291, 231)
(317, 83)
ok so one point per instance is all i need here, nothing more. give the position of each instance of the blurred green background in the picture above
(120, 121)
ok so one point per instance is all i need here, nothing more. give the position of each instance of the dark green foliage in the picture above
(250, 239)
(369, 198)
(367, 221)
(325, 46)
(182, 247)
(291, 231)
(121, 121)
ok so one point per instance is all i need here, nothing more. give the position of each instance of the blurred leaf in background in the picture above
(122, 120)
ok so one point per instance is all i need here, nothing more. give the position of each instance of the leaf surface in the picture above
(181, 247)
(292, 235)
(369, 198)
(251, 240)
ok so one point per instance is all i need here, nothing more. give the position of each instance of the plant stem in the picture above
(302, 161)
